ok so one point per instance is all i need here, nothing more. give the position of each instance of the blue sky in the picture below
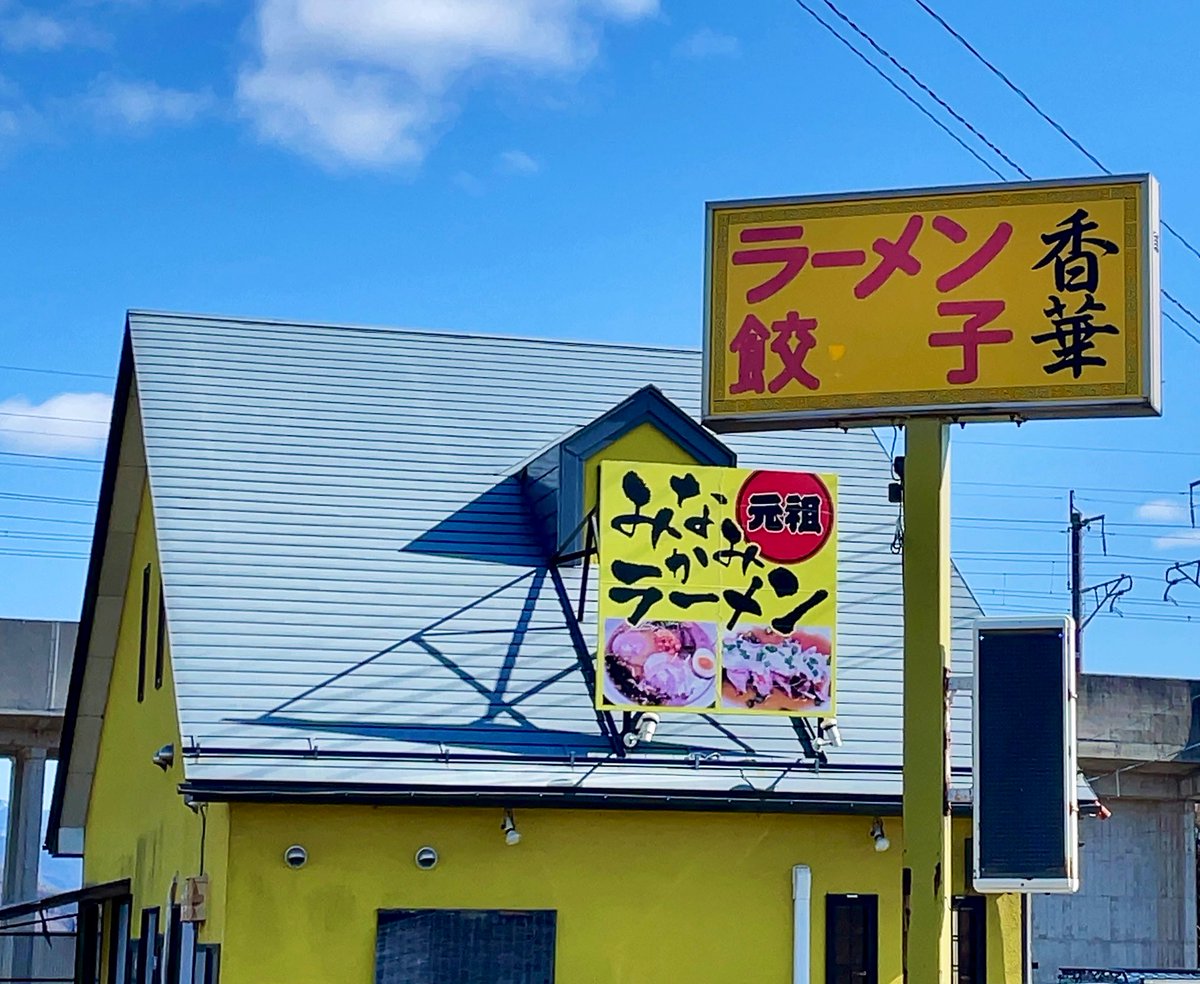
(540, 167)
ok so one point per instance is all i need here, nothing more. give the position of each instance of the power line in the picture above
(47, 519)
(958, 116)
(35, 535)
(58, 499)
(1179, 324)
(56, 554)
(1090, 450)
(900, 89)
(49, 457)
(1041, 112)
(56, 372)
(928, 91)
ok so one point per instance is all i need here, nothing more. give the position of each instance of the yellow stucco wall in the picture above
(642, 897)
(138, 826)
(645, 442)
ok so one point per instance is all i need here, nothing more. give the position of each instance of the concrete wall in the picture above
(35, 664)
(1137, 903)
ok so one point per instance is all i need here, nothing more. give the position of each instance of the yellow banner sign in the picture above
(718, 590)
(1011, 301)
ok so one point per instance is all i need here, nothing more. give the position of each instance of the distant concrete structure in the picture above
(1139, 744)
(35, 669)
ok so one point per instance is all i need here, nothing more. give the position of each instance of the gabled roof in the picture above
(357, 598)
(556, 476)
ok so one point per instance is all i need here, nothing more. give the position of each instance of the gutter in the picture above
(226, 791)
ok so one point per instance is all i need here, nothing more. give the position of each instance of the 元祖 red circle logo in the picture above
(789, 515)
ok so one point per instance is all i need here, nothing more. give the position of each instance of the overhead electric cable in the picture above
(1038, 109)
(899, 88)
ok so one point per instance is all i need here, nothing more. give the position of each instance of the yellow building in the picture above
(332, 717)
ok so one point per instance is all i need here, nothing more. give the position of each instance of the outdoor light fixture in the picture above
(646, 726)
(880, 838)
(827, 731)
(512, 836)
(164, 758)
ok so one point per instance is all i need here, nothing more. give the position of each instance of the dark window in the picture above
(159, 639)
(969, 944)
(141, 688)
(207, 964)
(464, 946)
(87, 943)
(851, 939)
(172, 946)
(118, 942)
(147, 949)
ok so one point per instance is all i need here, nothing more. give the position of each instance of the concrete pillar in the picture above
(23, 849)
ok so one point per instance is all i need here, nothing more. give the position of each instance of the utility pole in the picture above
(1079, 525)
(1077, 528)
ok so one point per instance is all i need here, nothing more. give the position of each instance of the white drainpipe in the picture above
(801, 924)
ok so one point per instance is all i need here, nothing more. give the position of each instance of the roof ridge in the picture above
(181, 316)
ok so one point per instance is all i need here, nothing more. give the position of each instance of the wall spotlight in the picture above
(646, 726)
(426, 858)
(164, 758)
(880, 838)
(512, 836)
(828, 732)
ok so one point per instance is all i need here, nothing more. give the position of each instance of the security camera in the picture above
(295, 857)
(646, 726)
(426, 858)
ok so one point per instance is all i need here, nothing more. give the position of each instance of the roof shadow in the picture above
(493, 528)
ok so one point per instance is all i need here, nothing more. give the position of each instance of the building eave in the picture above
(112, 539)
(225, 791)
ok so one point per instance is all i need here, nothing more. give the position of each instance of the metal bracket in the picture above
(807, 738)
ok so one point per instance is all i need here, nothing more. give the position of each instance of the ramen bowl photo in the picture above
(660, 663)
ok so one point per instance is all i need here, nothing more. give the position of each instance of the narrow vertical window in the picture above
(207, 966)
(148, 948)
(851, 939)
(160, 638)
(118, 942)
(141, 686)
(968, 941)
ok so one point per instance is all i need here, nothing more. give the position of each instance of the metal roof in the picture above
(349, 565)
(357, 597)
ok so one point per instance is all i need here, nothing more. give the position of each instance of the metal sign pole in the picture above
(926, 725)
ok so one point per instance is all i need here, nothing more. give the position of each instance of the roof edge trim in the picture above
(91, 591)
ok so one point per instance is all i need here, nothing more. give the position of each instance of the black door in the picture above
(851, 939)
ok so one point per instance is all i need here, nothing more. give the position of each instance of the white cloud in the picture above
(365, 82)
(24, 30)
(707, 43)
(1163, 511)
(69, 422)
(142, 104)
(518, 162)
(1183, 540)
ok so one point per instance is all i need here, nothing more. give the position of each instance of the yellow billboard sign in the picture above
(1025, 300)
(718, 590)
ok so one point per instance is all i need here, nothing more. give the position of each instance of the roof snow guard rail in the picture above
(1112, 975)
